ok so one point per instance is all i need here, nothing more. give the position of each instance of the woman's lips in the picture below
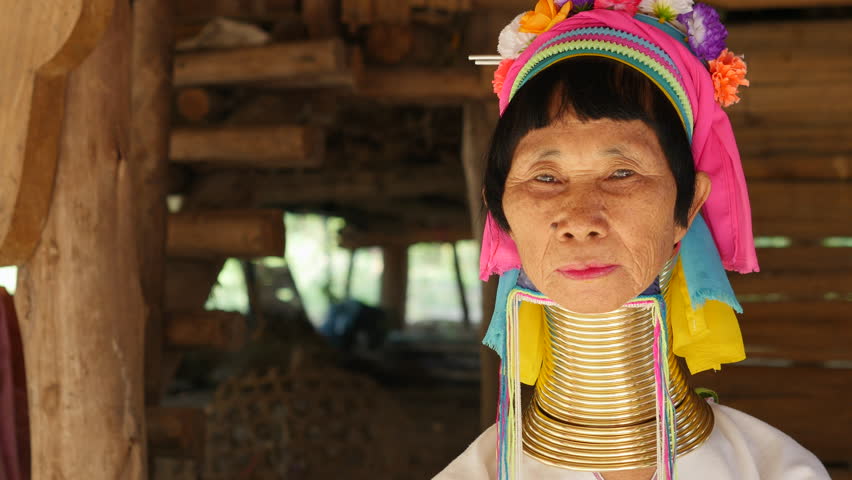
(586, 272)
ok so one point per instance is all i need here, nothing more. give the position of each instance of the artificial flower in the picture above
(728, 72)
(500, 75)
(545, 16)
(665, 10)
(627, 6)
(705, 32)
(512, 41)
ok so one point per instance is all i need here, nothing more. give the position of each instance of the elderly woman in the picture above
(616, 201)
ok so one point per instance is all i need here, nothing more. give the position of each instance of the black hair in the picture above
(591, 88)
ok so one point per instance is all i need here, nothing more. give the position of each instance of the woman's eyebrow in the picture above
(620, 151)
(549, 153)
(616, 151)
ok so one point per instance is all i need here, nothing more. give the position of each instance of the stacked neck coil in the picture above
(594, 403)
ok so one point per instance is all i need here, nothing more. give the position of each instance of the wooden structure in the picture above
(386, 129)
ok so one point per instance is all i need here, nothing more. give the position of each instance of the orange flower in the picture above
(728, 72)
(500, 75)
(544, 17)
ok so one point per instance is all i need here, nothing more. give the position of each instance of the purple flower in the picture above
(582, 5)
(705, 31)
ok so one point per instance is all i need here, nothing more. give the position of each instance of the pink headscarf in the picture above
(714, 149)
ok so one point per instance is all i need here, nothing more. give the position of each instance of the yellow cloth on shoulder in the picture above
(706, 337)
(531, 340)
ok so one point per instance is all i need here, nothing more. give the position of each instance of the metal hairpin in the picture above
(485, 59)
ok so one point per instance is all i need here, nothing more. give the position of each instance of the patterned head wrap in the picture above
(658, 51)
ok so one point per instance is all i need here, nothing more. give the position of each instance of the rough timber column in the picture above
(79, 297)
(153, 43)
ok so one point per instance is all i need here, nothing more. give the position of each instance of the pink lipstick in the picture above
(586, 272)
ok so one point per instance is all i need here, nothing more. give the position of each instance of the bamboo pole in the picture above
(79, 295)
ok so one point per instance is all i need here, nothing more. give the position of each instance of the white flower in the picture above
(666, 10)
(512, 41)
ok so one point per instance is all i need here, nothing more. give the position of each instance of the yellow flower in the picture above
(544, 17)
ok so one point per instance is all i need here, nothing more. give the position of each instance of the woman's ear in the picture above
(702, 191)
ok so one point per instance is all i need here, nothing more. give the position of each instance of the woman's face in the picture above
(591, 208)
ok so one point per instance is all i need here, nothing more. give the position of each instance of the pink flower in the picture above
(500, 75)
(627, 6)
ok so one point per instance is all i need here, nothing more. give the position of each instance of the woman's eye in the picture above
(622, 173)
(545, 178)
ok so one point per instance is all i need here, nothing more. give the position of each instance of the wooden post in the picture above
(79, 297)
(226, 233)
(478, 124)
(153, 32)
(460, 284)
(395, 283)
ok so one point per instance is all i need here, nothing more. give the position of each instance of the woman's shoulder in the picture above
(751, 448)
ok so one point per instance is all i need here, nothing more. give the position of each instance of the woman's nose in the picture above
(580, 217)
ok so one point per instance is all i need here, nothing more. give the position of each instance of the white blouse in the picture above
(740, 447)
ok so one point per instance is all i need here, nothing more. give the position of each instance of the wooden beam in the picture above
(34, 79)
(818, 396)
(801, 209)
(206, 329)
(307, 61)
(153, 33)
(79, 296)
(177, 432)
(775, 4)
(402, 237)
(342, 186)
(812, 260)
(282, 146)
(812, 332)
(519, 6)
(321, 18)
(389, 43)
(317, 108)
(198, 104)
(794, 285)
(838, 473)
(275, 189)
(426, 86)
(793, 122)
(226, 233)
(188, 10)
(395, 284)
(760, 163)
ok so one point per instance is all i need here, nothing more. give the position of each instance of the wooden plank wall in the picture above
(794, 130)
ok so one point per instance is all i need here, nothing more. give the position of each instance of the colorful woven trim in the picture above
(607, 42)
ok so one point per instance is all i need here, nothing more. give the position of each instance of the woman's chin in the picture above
(590, 305)
(589, 297)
